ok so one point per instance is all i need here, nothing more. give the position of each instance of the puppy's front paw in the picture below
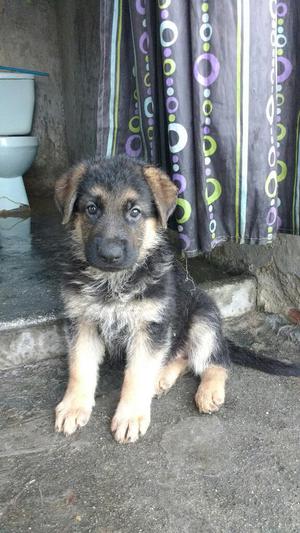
(129, 423)
(71, 414)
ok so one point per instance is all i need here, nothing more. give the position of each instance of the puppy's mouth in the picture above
(104, 266)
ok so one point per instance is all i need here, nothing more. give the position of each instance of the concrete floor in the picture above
(231, 472)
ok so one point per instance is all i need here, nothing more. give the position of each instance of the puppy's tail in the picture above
(245, 357)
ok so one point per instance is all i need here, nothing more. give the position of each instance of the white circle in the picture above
(206, 93)
(208, 171)
(182, 137)
(170, 91)
(278, 145)
(207, 121)
(207, 160)
(273, 202)
(148, 107)
(270, 110)
(206, 32)
(144, 23)
(173, 32)
(279, 88)
(210, 208)
(147, 66)
(270, 237)
(175, 168)
(280, 29)
(205, 17)
(180, 228)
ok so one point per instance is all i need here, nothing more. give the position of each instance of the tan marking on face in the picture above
(211, 391)
(128, 195)
(87, 352)
(99, 191)
(169, 374)
(151, 237)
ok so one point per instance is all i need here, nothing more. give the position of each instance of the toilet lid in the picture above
(15, 76)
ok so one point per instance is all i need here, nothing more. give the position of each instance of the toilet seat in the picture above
(18, 141)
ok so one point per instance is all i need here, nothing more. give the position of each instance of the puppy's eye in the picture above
(135, 213)
(91, 209)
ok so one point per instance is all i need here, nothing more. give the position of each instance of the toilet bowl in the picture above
(16, 157)
(17, 148)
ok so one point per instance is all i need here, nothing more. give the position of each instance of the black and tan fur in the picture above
(125, 293)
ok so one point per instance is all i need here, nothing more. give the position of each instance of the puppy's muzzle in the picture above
(110, 251)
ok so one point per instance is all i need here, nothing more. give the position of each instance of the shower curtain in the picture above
(209, 90)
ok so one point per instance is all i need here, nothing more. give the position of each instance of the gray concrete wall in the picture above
(78, 28)
(28, 38)
(276, 267)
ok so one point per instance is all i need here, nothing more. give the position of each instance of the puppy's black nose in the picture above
(110, 251)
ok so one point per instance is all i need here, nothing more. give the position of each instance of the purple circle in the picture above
(169, 81)
(278, 118)
(140, 7)
(206, 81)
(150, 121)
(206, 130)
(287, 69)
(172, 104)
(175, 158)
(271, 216)
(164, 14)
(144, 42)
(186, 240)
(281, 9)
(167, 52)
(149, 91)
(129, 146)
(179, 178)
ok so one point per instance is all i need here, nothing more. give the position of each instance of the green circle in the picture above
(270, 229)
(172, 118)
(186, 208)
(169, 67)
(280, 22)
(146, 59)
(205, 7)
(206, 47)
(279, 52)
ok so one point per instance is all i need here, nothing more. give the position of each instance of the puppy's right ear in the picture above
(66, 189)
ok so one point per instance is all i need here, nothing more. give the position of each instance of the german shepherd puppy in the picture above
(125, 293)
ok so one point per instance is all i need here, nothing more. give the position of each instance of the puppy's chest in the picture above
(116, 325)
(119, 321)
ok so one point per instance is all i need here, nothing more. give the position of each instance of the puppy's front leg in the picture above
(132, 417)
(85, 355)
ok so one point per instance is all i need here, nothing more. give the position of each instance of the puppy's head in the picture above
(117, 208)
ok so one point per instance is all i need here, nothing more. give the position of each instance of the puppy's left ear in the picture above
(163, 190)
(66, 188)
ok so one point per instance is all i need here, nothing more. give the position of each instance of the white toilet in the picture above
(17, 148)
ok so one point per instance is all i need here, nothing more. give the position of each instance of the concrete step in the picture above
(32, 323)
